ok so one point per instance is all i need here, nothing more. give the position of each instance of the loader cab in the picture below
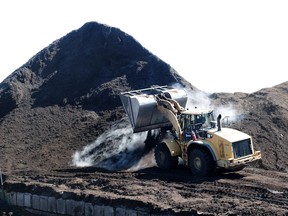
(196, 122)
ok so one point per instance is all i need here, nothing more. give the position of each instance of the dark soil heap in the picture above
(68, 93)
(67, 97)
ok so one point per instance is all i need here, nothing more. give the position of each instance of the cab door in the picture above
(187, 127)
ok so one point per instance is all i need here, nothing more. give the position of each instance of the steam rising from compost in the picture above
(201, 100)
(116, 149)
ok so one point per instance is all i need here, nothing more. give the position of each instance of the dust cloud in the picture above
(117, 149)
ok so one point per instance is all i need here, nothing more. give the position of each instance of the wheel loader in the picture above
(190, 134)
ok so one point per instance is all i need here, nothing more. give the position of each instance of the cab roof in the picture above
(196, 111)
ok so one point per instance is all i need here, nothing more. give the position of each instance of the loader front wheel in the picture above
(201, 162)
(163, 157)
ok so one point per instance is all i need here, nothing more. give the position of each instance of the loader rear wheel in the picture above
(163, 157)
(201, 162)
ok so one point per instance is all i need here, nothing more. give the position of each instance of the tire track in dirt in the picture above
(251, 191)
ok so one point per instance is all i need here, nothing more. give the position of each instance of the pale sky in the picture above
(218, 46)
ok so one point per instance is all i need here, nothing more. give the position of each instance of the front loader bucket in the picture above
(141, 107)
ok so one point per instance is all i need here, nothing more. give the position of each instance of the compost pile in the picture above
(61, 111)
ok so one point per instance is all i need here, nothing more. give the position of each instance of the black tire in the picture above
(201, 162)
(163, 157)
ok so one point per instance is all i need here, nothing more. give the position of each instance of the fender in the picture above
(173, 147)
(203, 145)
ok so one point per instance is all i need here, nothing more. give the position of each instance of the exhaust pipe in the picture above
(219, 122)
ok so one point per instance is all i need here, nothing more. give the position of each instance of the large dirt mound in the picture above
(65, 102)
(65, 96)
(68, 93)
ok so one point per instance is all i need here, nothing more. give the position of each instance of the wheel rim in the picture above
(197, 163)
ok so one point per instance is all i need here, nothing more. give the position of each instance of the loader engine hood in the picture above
(231, 135)
(233, 143)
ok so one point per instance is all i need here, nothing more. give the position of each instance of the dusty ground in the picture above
(66, 98)
(248, 192)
